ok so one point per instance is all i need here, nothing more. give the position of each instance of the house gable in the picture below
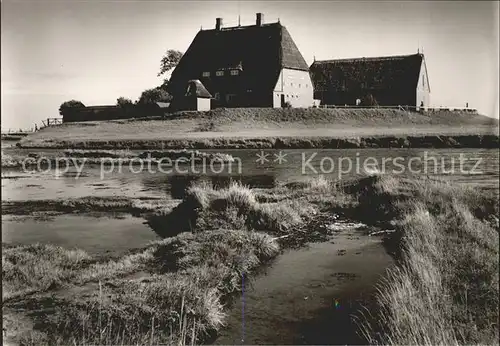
(423, 88)
(296, 88)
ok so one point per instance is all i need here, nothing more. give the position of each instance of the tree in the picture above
(124, 102)
(154, 95)
(164, 85)
(169, 61)
(69, 104)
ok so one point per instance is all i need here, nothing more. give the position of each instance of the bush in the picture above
(154, 95)
(124, 102)
(69, 104)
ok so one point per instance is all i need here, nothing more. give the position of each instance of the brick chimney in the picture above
(218, 23)
(260, 19)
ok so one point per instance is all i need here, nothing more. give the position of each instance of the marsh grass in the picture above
(234, 207)
(444, 289)
(38, 267)
(110, 204)
(176, 299)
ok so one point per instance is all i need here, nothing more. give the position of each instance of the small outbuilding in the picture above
(197, 97)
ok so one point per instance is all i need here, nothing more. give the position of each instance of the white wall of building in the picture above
(423, 88)
(203, 104)
(296, 86)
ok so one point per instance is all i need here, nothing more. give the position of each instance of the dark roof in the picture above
(390, 72)
(259, 51)
(195, 87)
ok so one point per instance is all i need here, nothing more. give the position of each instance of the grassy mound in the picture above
(222, 116)
(256, 123)
(235, 207)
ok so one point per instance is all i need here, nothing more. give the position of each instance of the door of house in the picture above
(282, 100)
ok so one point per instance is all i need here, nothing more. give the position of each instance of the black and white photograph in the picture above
(250, 172)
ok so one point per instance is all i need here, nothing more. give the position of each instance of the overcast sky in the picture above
(96, 51)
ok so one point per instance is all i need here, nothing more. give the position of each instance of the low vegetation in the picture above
(136, 207)
(173, 290)
(443, 290)
(284, 211)
(175, 299)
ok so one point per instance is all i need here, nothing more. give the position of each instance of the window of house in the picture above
(217, 96)
(234, 72)
(206, 74)
(291, 84)
(299, 85)
(219, 73)
(423, 82)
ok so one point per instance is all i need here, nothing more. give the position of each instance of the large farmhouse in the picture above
(384, 81)
(245, 66)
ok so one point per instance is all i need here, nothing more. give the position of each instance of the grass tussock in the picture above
(445, 287)
(235, 207)
(168, 309)
(38, 267)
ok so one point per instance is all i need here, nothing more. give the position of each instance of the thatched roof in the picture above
(391, 72)
(259, 52)
(196, 88)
